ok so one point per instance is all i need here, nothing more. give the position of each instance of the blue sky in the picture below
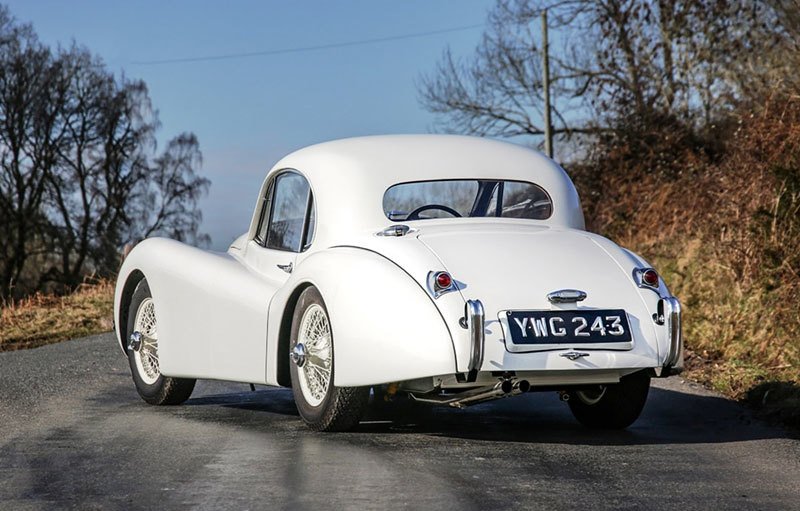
(249, 112)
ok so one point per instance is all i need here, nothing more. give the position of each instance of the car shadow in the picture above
(275, 401)
(776, 401)
(669, 417)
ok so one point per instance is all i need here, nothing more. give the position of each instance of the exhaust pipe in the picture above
(498, 390)
(504, 388)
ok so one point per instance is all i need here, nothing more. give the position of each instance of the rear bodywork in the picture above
(223, 316)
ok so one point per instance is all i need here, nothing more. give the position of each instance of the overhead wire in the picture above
(299, 49)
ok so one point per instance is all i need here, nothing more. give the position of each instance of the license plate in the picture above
(568, 327)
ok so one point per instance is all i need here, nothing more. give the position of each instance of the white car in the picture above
(444, 269)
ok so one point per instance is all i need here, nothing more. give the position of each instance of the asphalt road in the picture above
(76, 435)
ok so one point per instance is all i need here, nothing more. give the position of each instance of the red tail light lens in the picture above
(443, 280)
(650, 277)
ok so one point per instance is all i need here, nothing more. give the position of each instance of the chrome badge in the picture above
(566, 296)
(574, 355)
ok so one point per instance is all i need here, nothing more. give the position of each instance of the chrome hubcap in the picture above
(313, 355)
(135, 343)
(144, 342)
(299, 355)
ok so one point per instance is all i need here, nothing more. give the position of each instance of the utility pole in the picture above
(548, 125)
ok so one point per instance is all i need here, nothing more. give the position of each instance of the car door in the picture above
(286, 223)
(284, 228)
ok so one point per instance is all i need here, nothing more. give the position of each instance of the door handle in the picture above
(286, 267)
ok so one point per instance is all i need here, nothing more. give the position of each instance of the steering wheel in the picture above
(414, 215)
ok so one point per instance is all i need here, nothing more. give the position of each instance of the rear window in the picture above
(423, 200)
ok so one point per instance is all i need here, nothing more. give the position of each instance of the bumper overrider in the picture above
(669, 314)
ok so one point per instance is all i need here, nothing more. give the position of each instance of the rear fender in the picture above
(629, 261)
(385, 325)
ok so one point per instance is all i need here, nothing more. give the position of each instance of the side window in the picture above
(263, 220)
(311, 224)
(288, 205)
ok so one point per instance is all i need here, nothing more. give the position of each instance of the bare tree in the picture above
(99, 162)
(29, 96)
(79, 172)
(641, 60)
(167, 203)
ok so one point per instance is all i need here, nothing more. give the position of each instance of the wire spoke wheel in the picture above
(147, 356)
(322, 405)
(315, 374)
(141, 334)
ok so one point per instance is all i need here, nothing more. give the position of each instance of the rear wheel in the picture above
(322, 406)
(614, 406)
(153, 387)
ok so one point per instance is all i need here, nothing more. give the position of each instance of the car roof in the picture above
(350, 176)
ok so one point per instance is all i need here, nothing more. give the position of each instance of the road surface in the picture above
(74, 434)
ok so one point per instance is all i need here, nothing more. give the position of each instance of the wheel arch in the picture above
(285, 332)
(133, 280)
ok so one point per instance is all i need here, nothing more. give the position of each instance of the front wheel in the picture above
(153, 387)
(322, 406)
(614, 406)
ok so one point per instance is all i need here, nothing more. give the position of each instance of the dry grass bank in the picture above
(43, 318)
(724, 232)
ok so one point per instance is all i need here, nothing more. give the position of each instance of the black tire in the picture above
(617, 407)
(164, 390)
(341, 408)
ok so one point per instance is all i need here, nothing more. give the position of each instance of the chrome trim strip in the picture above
(672, 317)
(475, 323)
(566, 296)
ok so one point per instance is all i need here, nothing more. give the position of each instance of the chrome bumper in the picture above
(670, 310)
(475, 316)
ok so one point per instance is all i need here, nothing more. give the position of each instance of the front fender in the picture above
(385, 326)
(211, 310)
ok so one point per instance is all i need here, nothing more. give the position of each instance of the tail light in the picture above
(647, 277)
(440, 282)
(650, 277)
(443, 280)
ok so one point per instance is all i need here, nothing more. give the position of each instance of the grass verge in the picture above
(44, 318)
